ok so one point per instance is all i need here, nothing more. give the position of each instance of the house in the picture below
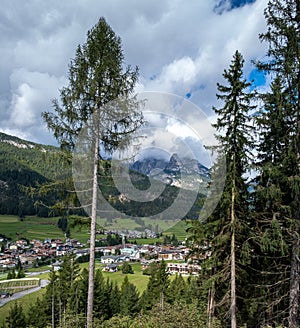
(13, 247)
(114, 259)
(56, 266)
(110, 268)
(131, 252)
(183, 268)
(27, 259)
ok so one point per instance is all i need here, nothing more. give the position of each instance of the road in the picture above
(16, 296)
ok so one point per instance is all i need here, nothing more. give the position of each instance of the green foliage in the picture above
(16, 317)
(227, 228)
(127, 268)
(277, 196)
(171, 316)
(151, 269)
(157, 288)
(129, 300)
(36, 315)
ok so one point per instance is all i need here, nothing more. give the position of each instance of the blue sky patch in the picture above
(257, 77)
(225, 5)
(240, 3)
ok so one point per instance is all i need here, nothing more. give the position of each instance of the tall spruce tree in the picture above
(283, 38)
(157, 288)
(271, 259)
(96, 78)
(129, 300)
(227, 229)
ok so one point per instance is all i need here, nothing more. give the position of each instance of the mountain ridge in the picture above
(183, 173)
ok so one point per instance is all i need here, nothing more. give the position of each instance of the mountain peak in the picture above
(171, 172)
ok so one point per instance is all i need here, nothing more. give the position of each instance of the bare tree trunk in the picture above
(210, 306)
(294, 284)
(90, 302)
(232, 263)
(53, 310)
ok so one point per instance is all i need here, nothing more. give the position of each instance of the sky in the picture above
(181, 48)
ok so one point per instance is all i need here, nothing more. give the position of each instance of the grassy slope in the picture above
(36, 228)
(179, 230)
(41, 228)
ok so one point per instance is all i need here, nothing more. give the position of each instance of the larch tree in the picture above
(226, 230)
(283, 62)
(97, 78)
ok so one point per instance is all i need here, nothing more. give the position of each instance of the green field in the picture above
(36, 228)
(179, 230)
(131, 224)
(138, 279)
(42, 228)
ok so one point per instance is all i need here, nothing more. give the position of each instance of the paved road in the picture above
(29, 274)
(16, 296)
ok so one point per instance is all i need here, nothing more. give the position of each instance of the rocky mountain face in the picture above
(186, 173)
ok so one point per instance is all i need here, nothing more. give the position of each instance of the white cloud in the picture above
(179, 47)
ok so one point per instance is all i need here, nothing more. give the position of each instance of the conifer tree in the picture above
(283, 63)
(16, 317)
(36, 314)
(102, 296)
(114, 302)
(77, 303)
(178, 289)
(227, 229)
(96, 78)
(157, 287)
(129, 298)
(271, 247)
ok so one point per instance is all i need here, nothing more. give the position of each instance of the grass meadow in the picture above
(42, 228)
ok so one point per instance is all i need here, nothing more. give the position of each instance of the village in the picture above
(35, 252)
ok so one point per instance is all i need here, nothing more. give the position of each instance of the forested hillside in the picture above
(25, 164)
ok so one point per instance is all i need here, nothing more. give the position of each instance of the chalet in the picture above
(81, 252)
(170, 254)
(110, 268)
(13, 247)
(27, 259)
(183, 268)
(114, 259)
(56, 266)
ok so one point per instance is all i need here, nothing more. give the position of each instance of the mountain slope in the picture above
(27, 164)
(24, 164)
